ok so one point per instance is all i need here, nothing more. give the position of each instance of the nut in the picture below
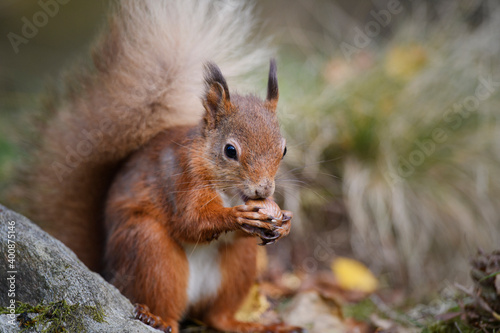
(269, 207)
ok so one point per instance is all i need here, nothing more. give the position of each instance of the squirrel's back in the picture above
(146, 76)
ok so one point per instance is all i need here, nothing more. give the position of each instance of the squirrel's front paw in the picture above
(256, 221)
(280, 231)
(252, 216)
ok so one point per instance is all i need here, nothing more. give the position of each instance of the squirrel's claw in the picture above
(278, 233)
(287, 215)
(142, 313)
(268, 238)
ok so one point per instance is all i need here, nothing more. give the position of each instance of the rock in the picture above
(36, 268)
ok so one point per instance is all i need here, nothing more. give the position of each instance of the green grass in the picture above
(360, 311)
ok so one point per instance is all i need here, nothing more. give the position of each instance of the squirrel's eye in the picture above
(231, 152)
(284, 152)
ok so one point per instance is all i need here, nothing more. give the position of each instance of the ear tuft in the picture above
(272, 86)
(216, 100)
(213, 75)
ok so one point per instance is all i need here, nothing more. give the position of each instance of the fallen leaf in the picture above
(311, 311)
(254, 306)
(291, 281)
(353, 275)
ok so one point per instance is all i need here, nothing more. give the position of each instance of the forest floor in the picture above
(348, 299)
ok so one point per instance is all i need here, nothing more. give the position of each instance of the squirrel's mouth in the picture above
(244, 197)
(232, 197)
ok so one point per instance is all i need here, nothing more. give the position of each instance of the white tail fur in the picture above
(164, 44)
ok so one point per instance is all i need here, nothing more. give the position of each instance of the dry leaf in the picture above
(254, 305)
(291, 281)
(353, 275)
(311, 311)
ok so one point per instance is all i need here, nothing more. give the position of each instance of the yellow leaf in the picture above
(353, 275)
(253, 307)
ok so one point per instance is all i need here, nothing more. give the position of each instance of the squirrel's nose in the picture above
(264, 189)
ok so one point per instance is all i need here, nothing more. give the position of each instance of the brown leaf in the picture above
(311, 311)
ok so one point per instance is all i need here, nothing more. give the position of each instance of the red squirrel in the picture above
(146, 160)
(177, 207)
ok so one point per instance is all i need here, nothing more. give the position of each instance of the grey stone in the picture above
(46, 270)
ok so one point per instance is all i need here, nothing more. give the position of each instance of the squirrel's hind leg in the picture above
(149, 268)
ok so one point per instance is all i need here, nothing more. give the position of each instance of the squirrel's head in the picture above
(244, 146)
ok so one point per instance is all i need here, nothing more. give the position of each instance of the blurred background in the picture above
(391, 111)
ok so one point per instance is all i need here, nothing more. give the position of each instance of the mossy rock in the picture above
(48, 284)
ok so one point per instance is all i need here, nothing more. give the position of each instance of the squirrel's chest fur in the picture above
(204, 271)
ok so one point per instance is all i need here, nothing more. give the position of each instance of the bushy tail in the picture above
(146, 76)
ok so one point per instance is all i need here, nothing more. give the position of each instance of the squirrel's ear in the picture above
(217, 100)
(272, 87)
